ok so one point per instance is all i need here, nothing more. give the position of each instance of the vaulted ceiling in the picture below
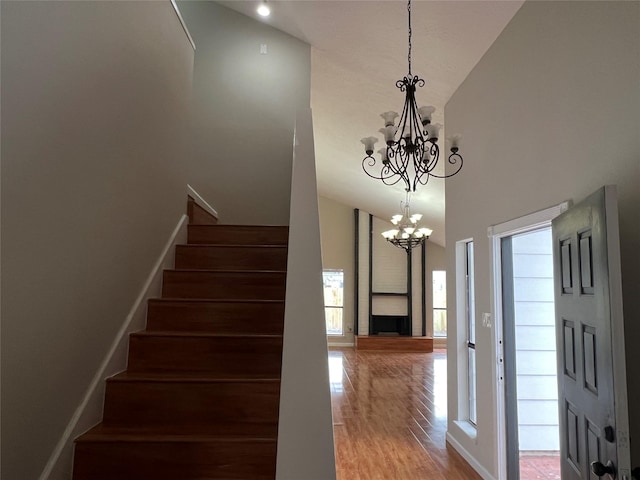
(358, 52)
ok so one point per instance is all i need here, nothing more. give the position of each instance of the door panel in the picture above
(583, 319)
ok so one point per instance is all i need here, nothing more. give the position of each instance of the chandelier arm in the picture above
(402, 166)
(418, 179)
(370, 161)
(411, 100)
(388, 173)
(407, 243)
(434, 154)
(403, 116)
(401, 160)
(454, 159)
(386, 182)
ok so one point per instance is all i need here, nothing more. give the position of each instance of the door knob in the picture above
(600, 470)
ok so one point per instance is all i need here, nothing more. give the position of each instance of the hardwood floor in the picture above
(389, 412)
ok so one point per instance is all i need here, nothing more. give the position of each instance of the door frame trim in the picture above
(617, 332)
(496, 233)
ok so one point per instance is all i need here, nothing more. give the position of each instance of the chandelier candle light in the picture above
(411, 153)
(407, 234)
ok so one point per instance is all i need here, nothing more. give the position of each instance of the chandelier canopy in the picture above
(412, 152)
(408, 233)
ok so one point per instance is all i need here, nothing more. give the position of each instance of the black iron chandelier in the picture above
(411, 153)
(407, 233)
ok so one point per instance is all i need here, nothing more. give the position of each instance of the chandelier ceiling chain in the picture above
(412, 152)
(407, 234)
(409, 54)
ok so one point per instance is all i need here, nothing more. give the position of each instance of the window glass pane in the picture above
(333, 281)
(471, 314)
(333, 316)
(471, 332)
(473, 416)
(439, 322)
(439, 289)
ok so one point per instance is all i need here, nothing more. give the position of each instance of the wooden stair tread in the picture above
(100, 433)
(190, 377)
(245, 226)
(224, 272)
(178, 333)
(215, 300)
(229, 245)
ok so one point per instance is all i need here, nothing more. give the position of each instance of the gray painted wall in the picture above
(337, 234)
(550, 113)
(94, 104)
(244, 112)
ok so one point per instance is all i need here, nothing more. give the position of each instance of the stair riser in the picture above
(222, 408)
(230, 258)
(238, 235)
(174, 460)
(234, 356)
(224, 285)
(218, 317)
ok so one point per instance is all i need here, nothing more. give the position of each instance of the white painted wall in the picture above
(305, 427)
(95, 98)
(389, 264)
(550, 113)
(535, 341)
(244, 112)
(338, 250)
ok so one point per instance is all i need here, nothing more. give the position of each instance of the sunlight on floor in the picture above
(440, 387)
(335, 373)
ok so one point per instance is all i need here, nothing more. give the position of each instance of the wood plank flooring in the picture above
(382, 343)
(390, 417)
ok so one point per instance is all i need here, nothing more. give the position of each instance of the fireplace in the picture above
(390, 325)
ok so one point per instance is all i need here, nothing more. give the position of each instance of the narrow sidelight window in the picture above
(471, 331)
(439, 303)
(333, 282)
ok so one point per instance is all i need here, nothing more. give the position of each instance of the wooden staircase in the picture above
(200, 396)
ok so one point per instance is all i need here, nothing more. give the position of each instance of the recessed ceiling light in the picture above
(263, 10)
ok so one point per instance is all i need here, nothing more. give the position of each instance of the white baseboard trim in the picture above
(331, 344)
(201, 201)
(89, 412)
(469, 458)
